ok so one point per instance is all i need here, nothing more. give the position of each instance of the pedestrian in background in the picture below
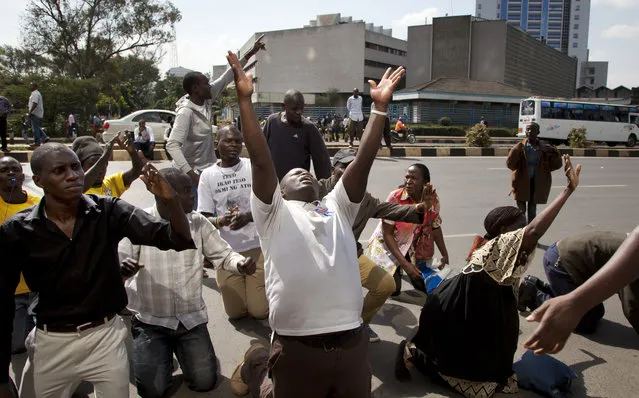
(5, 110)
(36, 113)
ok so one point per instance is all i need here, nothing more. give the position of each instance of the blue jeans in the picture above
(561, 283)
(38, 134)
(23, 322)
(153, 349)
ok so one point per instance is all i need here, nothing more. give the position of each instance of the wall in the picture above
(312, 60)
(451, 47)
(533, 66)
(419, 55)
(488, 57)
(600, 76)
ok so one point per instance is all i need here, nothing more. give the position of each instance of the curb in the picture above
(160, 154)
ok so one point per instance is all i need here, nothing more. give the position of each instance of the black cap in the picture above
(344, 156)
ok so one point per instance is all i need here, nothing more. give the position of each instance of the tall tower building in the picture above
(562, 24)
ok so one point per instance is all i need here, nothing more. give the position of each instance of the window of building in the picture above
(376, 64)
(575, 35)
(591, 71)
(576, 17)
(479, 6)
(498, 6)
(577, 7)
(479, 15)
(385, 49)
(576, 26)
(575, 45)
(498, 16)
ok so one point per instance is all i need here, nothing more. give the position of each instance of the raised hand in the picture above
(571, 173)
(428, 196)
(558, 317)
(382, 92)
(259, 45)
(111, 143)
(247, 267)
(243, 81)
(156, 183)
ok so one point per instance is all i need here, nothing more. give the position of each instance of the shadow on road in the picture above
(211, 283)
(615, 334)
(578, 389)
(253, 328)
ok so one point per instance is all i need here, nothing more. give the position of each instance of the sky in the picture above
(209, 28)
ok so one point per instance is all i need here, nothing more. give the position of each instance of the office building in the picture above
(562, 24)
(593, 74)
(330, 54)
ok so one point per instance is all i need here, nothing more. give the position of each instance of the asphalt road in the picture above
(469, 188)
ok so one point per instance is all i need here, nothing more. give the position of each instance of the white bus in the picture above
(612, 124)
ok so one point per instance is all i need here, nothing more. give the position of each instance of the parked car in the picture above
(156, 118)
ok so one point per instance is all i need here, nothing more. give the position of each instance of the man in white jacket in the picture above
(191, 142)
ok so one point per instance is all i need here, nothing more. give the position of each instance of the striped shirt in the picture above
(168, 290)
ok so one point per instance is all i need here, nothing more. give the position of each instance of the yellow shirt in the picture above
(112, 185)
(6, 211)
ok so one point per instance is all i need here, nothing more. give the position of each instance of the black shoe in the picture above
(541, 285)
(45, 140)
(527, 294)
(401, 371)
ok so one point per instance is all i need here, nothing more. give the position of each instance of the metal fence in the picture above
(430, 114)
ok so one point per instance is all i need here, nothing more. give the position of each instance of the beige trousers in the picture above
(58, 362)
(244, 294)
(380, 285)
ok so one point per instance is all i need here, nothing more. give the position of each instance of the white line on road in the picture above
(592, 186)
(459, 236)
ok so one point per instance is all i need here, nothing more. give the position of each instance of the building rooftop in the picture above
(337, 19)
(466, 86)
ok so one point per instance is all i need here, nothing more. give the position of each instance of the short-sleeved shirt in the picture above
(223, 188)
(112, 185)
(6, 211)
(36, 98)
(312, 276)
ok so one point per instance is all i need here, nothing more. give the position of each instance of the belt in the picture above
(73, 328)
(328, 341)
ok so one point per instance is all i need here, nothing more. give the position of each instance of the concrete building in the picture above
(331, 53)
(562, 24)
(463, 47)
(593, 74)
(178, 71)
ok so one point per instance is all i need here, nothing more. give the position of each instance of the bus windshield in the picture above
(528, 108)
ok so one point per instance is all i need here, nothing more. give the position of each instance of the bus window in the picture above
(546, 111)
(559, 110)
(592, 112)
(528, 108)
(575, 111)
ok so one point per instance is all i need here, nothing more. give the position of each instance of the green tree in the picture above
(78, 37)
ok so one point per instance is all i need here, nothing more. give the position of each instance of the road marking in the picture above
(592, 186)
(459, 236)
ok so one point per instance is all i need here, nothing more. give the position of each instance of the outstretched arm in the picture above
(91, 175)
(538, 227)
(560, 316)
(355, 177)
(136, 162)
(264, 176)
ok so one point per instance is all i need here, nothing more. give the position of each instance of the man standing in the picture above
(191, 141)
(36, 113)
(144, 139)
(531, 162)
(224, 196)
(568, 264)
(165, 297)
(66, 247)
(295, 140)
(5, 110)
(72, 126)
(319, 345)
(355, 113)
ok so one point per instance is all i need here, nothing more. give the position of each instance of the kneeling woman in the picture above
(469, 326)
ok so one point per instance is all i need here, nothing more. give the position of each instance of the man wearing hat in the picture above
(95, 162)
(379, 283)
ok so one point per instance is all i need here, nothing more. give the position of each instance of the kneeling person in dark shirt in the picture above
(66, 248)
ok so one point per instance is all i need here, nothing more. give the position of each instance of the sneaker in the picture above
(238, 385)
(372, 336)
(541, 285)
(527, 294)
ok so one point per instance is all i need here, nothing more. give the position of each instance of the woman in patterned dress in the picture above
(469, 326)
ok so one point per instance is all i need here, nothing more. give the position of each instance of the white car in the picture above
(156, 118)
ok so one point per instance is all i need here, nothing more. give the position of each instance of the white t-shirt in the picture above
(148, 135)
(310, 259)
(36, 98)
(354, 106)
(222, 188)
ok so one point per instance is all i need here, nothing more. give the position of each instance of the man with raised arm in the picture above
(319, 346)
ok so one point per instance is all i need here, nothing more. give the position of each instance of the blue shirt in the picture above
(533, 154)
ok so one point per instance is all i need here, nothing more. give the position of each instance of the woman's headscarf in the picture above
(497, 218)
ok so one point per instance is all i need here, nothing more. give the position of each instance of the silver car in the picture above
(156, 118)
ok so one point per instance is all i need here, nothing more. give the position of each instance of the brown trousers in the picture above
(335, 365)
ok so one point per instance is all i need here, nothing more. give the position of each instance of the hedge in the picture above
(455, 131)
